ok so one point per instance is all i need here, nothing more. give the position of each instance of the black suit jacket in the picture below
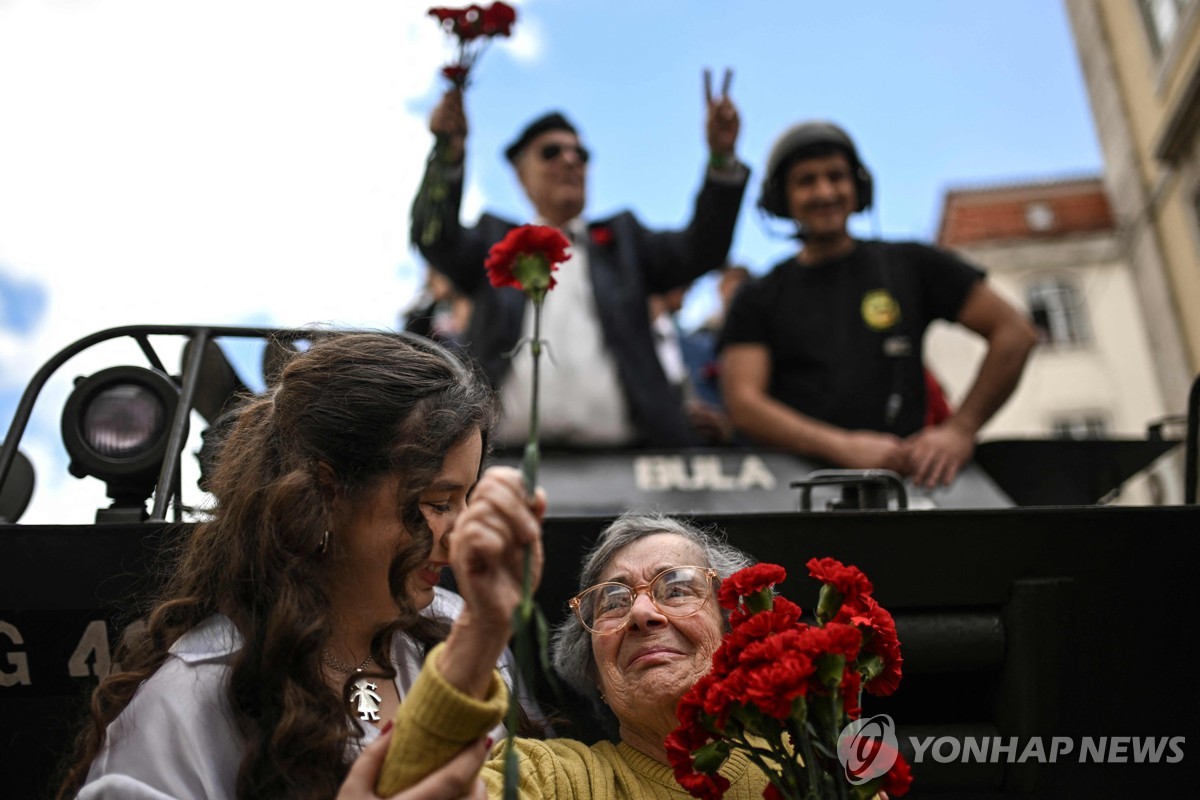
(628, 262)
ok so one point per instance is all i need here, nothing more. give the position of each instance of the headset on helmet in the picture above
(773, 199)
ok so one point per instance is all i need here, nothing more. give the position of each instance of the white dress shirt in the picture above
(581, 400)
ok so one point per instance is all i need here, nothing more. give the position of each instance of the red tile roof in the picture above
(1016, 212)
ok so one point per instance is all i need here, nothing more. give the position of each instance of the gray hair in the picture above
(571, 644)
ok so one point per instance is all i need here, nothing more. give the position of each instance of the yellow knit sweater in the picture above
(436, 721)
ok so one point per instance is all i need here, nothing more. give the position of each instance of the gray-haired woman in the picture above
(644, 629)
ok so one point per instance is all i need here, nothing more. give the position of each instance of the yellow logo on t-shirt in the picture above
(880, 310)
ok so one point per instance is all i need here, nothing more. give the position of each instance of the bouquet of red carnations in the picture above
(473, 27)
(786, 694)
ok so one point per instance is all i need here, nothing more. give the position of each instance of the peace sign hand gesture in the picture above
(722, 124)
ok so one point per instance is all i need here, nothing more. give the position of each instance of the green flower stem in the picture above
(532, 458)
(776, 762)
(835, 700)
(524, 613)
(529, 464)
(779, 781)
(810, 766)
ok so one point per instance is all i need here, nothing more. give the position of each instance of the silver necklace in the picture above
(364, 695)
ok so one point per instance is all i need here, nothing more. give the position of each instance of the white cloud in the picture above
(218, 163)
(527, 43)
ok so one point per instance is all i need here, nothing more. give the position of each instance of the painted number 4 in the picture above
(91, 655)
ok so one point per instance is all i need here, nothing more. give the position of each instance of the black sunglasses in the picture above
(549, 152)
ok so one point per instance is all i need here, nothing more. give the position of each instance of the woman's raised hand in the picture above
(487, 553)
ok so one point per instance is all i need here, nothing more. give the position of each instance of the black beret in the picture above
(554, 121)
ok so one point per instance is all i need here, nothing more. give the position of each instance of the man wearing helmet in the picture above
(822, 356)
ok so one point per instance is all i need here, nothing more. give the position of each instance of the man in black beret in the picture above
(604, 386)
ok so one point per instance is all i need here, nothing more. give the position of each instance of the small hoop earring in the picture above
(324, 546)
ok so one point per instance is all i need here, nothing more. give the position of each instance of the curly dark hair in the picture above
(366, 405)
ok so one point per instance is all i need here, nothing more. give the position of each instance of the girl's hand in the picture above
(457, 778)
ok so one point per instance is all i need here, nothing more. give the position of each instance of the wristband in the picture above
(721, 160)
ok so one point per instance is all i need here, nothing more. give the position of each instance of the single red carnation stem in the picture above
(529, 464)
(810, 766)
(523, 630)
(839, 722)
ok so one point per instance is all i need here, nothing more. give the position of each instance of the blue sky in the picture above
(252, 161)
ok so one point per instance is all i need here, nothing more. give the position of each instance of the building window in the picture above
(1057, 309)
(1161, 18)
(1080, 426)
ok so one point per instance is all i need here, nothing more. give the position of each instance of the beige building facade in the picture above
(1141, 63)
(1054, 249)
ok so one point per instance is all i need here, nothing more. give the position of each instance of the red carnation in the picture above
(873, 754)
(498, 19)
(879, 640)
(774, 647)
(455, 74)
(679, 750)
(721, 696)
(754, 635)
(850, 689)
(832, 648)
(747, 628)
(473, 23)
(473, 26)
(525, 258)
(835, 638)
(898, 779)
(601, 236)
(691, 705)
(748, 581)
(706, 787)
(680, 745)
(842, 584)
(772, 685)
(848, 580)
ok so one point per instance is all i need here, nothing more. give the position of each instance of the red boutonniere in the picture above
(601, 235)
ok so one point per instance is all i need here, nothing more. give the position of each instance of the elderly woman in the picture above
(645, 627)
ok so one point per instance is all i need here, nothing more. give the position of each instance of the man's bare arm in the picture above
(745, 377)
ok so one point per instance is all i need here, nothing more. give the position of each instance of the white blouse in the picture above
(177, 737)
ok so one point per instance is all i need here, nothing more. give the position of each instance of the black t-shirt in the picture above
(846, 335)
